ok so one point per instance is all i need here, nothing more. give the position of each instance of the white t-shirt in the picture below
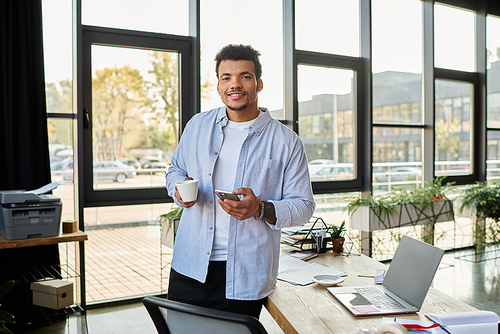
(235, 134)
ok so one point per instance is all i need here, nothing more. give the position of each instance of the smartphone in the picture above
(226, 194)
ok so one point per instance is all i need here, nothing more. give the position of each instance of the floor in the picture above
(465, 275)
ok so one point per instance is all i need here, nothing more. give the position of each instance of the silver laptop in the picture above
(405, 285)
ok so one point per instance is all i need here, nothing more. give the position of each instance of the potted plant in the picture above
(483, 201)
(169, 224)
(337, 235)
(417, 206)
(5, 317)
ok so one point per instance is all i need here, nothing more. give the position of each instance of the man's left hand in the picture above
(248, 207)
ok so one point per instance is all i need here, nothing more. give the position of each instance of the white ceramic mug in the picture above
(188, 190)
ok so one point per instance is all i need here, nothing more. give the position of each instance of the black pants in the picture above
(212, 293)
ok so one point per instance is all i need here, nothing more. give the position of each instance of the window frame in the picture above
(473, 80)
(311, 58)
(130, 39)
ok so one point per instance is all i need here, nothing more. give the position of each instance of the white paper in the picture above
(45, 189)
(295, 271)
(491, 328)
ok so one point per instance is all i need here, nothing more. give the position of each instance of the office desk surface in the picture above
(312, 309)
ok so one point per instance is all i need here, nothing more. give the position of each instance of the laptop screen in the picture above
(412, 270)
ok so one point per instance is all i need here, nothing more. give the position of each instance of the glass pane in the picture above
(135, 116)
(266, 36)
(454, 40)
(161, 16)
(493, 71)
(57, 53)
(326, 121)
(493, 159)
(397, 61)
(453, 128)
(397, 158)
(124, 256)
(60, 134)
(336, 20)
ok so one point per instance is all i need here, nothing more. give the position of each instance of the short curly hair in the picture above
(239, 52)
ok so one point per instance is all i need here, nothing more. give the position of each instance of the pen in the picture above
(370, 276)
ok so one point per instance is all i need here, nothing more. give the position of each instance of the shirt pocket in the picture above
(270, 178)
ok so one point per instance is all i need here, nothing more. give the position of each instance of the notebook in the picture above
(405, 285)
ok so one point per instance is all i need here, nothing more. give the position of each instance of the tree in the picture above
(164, 88)
(445, 138)
(59, 96)
(59, 100)
(119, 99)
(164, 123)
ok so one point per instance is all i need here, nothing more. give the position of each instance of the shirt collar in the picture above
(257, 127)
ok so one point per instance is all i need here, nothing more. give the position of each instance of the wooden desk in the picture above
(312, 308)
(66, 237)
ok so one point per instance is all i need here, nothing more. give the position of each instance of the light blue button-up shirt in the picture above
(273, 164)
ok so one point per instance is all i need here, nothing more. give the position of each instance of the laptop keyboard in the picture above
(378, 298)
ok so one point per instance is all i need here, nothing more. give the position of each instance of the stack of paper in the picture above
(299, 272)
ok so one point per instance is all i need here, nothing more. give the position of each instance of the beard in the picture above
(242, 107)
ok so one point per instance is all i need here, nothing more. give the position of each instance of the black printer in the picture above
(25, 214)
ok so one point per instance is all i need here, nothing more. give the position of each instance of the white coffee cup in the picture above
(188, 190)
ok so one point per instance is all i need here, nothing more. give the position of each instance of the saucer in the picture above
(327, 280)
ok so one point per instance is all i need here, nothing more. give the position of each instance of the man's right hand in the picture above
(178, 196)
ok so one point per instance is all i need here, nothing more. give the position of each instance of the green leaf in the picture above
(4, 329)
(6, 287)
(5, 317)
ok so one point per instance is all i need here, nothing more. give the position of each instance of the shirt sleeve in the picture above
(177, 171)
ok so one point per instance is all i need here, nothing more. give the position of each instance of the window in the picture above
(135, 115)
(397, 94)
(261, 28)
(493, 97)
(326, 100)
(452, 131)
(59, 97)
(161, 16)
(327, 26)
(454, 32)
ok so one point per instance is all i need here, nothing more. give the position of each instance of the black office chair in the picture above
(171, 317)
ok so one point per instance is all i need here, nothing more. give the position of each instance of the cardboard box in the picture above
(55, 294)
(70, 226)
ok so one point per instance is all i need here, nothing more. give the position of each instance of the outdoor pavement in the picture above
(122, 262)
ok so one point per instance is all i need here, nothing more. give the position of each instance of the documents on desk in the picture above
(298, 272)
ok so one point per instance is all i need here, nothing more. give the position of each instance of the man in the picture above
(227, 251)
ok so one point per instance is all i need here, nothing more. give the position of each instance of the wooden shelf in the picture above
(66, 237)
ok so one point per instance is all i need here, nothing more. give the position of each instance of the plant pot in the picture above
(365, 219)
(338, 245)
(168, 232)
(467, 212)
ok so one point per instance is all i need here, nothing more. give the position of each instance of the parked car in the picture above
(399, 174)
(318, 164)
(327, 170)
(130, 162)
(58, 163)
(332, 173)
(108, 170)
(152, 163)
